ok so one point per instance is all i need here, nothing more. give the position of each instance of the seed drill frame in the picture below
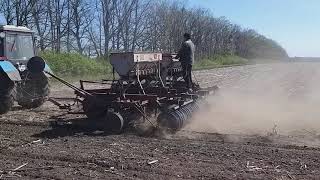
(148, 85)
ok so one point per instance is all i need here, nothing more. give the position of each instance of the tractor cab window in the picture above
(19, 46)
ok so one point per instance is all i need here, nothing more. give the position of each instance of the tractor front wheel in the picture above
(33, 91)
(6, 94)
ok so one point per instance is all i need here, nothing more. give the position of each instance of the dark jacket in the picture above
(186, 52)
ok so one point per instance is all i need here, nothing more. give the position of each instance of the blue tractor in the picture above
(22, 77)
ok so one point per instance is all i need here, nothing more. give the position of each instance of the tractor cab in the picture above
(16, 45)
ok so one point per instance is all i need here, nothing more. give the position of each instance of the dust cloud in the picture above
(278, 99)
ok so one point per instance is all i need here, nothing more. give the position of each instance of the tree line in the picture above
(97, 27)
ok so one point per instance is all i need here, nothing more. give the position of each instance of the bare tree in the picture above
(40, 23)
(108, 10)
(97, 27)
(79, 21)
(7, 9)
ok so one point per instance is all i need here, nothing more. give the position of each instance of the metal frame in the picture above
(141, 94)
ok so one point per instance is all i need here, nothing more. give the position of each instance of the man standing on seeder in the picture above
(186, 57)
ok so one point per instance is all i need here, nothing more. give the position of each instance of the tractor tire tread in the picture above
(34, 91)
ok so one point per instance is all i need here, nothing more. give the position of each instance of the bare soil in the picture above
(47, 143)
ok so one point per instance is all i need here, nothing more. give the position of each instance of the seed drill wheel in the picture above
(33, 91)
(6, 93)
(102, 119)
(92, 110)
(113, 122)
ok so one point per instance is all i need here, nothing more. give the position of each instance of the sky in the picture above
(294, 24)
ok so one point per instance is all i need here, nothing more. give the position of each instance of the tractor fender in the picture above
(9, 69)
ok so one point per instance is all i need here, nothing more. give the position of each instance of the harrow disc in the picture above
(170, 120)
(178, 118)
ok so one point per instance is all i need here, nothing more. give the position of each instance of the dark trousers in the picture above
(187, 74)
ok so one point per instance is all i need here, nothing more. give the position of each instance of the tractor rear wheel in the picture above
(33, 91)
(6, 94)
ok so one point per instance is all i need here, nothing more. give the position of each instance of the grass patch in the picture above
(75, 65)
(219, 61)
(75, 79)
